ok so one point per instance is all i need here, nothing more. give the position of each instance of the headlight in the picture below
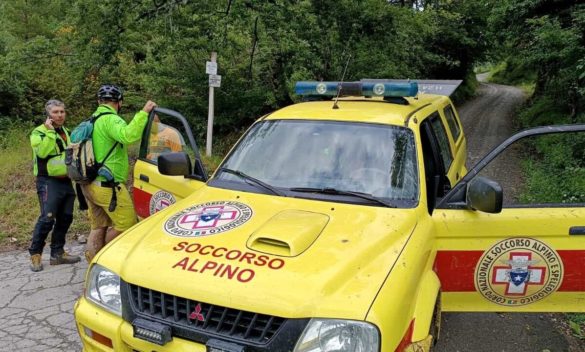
(103, 288)
(332, 335)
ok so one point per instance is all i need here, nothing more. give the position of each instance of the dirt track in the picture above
(487, 121)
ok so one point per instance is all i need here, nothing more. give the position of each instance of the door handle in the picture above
(577, 230)
(144, 178)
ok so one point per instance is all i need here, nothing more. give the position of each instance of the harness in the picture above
(110, 183)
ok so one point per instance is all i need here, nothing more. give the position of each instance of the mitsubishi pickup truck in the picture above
(345, 223)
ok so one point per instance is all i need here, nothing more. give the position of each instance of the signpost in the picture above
(214, 81)
(211, 66)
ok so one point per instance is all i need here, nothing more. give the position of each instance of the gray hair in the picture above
(53, 102)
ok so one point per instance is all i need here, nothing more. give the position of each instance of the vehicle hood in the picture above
(282, 256)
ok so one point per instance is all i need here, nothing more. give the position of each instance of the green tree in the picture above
(545, 40)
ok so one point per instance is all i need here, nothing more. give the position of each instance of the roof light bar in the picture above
(428, 86)
(366, 89)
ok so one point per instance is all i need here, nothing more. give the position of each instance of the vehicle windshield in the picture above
(375, 159)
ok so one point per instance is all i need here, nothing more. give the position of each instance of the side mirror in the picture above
(484, 195)
(174, 164)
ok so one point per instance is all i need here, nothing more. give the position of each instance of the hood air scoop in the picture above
(288, 233)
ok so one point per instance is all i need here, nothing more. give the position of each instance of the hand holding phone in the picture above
(49, 123)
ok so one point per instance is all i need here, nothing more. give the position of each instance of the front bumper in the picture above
(90, 317)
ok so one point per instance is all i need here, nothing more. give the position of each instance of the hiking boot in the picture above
(35, 263)
(64, 258)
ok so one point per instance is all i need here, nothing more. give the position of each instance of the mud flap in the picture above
(420, 346)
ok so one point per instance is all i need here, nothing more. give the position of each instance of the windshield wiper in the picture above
(253, 179)
(338, 192)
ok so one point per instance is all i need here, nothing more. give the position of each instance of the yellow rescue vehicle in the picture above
(343, 225)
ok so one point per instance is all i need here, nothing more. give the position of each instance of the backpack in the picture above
(79, 157)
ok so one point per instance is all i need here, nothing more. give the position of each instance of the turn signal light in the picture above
(98, 337)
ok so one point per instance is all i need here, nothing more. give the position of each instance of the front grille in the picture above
(203, 317)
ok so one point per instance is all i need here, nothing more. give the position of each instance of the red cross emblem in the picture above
(518, 274)
(208, 217)
(161, 205)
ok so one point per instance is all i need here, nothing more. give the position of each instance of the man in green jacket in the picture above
(56, 194)
(110, 205)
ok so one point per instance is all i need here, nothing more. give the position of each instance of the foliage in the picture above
(512, 71)
(577, 324)
(543, 43)
(157, 50)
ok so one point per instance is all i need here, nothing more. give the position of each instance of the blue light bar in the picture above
(316, 88)
(365, 89)
(428, 86)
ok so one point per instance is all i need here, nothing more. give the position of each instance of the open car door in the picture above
(166, 134)
(511, 233)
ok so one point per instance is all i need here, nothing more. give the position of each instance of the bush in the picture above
(513, 72)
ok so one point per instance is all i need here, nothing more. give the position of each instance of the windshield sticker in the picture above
(160, 200)
(518, 271)
(208, 219)
(202, 260)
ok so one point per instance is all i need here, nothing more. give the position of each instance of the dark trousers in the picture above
(56, 197)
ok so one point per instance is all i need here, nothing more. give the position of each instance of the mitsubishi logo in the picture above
(196, 314)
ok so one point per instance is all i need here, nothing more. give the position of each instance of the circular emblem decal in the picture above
(208, 219)
(518, 271)
(160, 200)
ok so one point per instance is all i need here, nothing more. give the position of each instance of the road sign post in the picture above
(211, 70)
(215, 81)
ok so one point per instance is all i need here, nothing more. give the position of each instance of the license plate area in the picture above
(214, 345)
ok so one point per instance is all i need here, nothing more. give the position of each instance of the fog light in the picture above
(151, 331)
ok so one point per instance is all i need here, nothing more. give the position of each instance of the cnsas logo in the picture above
(518, 271)
(208, 218)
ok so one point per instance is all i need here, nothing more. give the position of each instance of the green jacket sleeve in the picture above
(43, 144)
(127, 133)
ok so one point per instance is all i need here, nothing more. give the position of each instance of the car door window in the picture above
(443, 141)
(437, 182)
(452, 122)
(544, 170)
(166, 134)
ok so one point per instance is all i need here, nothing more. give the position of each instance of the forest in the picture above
(157, 49)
